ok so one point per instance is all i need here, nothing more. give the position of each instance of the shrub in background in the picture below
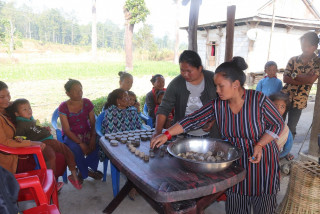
(142, 101)
(98, 104)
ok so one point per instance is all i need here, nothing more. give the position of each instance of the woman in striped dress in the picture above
(249, 121)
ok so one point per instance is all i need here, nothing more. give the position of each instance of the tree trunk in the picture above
(193, 25)
(94, 30)
(29, 24)
(128, 40)
(12, 29)
(313, 145)
(176, 45)
(71, 33)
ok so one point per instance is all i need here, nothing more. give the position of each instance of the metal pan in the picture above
(203, 145)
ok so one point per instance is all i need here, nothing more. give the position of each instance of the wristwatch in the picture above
(293, 75)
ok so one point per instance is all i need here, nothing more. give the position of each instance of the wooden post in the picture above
(231, 12)
(272, 27)
(315, 130)
(193, 24)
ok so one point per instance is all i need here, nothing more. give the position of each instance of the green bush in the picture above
(98, 104)
(142, 101)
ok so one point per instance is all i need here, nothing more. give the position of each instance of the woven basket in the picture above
(303, 193)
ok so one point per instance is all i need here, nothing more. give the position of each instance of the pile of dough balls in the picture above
(204, 157)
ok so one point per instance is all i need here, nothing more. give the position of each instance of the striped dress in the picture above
(243, 130)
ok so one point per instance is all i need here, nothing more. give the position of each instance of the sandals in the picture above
(289, 157)
(59, 186)
(76, 184)
(97, 175)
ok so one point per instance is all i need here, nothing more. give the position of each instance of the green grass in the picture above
(19, 72)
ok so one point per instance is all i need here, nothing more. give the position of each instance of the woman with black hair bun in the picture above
(126, 80)
(249, 121)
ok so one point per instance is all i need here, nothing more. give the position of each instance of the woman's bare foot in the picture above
(289, 157)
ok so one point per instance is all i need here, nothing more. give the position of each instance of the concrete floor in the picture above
(95, 195)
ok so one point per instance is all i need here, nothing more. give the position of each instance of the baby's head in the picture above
(22, 108)
(159, 95)
(271, 69)
(281, 101)
(132, 98)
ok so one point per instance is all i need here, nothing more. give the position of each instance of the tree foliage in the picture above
(52, 25)
(56, 26)
(137, 9)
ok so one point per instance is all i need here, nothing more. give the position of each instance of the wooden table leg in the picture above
(205, 201)
(120, 196)
(155, 205)
(168, 209)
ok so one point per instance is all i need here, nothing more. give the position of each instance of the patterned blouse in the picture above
(79, 122)
(298, 94)
(119, 120)
(257, 116)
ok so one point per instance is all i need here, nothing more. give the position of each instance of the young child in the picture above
(270, 83)
(159, 96)
(285, 141)
(133, 101)
(27, 126)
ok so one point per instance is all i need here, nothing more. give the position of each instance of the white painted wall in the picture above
(284, 46)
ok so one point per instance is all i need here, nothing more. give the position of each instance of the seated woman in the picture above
(78, 126)
(7, 132)
(158, 83)
(118, 117)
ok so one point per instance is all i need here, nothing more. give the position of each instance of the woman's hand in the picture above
(257, 154)
(155, 134)
(158, 141)
(19, 138)
(207, 127)
(37, 143)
